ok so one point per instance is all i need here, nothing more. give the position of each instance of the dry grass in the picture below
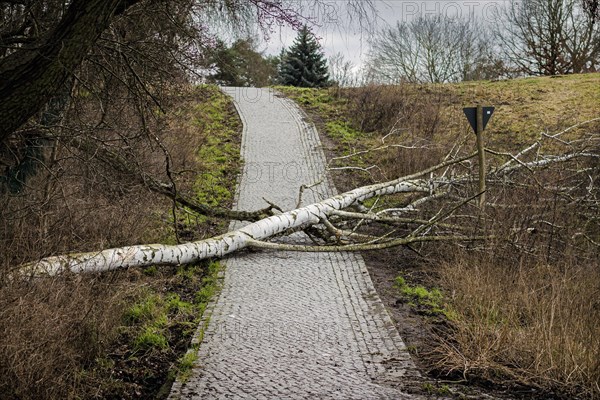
(54, 328)
(529, 324)
(432, 114)
(525, 304)
(410, 116)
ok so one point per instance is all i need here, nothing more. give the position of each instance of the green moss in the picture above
(370, 202)
(428, 388)
(151, 270)
(431, 389)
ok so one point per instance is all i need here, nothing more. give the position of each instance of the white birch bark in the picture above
(151, 254)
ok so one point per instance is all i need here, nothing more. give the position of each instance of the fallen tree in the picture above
(250, 235)
(318, 220)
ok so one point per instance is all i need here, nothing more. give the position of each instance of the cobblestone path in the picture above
(292, 325)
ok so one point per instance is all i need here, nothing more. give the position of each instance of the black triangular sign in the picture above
(471, 113)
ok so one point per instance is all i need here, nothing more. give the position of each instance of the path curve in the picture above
(292, 325)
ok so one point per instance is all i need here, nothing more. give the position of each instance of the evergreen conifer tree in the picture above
(303, 64)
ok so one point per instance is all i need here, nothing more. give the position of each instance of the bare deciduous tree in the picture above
(340, 70)
(549, 37)
(431, 49)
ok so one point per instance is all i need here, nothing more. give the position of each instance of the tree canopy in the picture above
(140, 43)
(240, 64)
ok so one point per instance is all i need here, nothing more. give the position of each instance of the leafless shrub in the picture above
(408, 117)
(523, 305)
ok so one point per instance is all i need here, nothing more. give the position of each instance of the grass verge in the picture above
(167, 316)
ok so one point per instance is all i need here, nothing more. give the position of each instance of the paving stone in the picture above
(291, 325)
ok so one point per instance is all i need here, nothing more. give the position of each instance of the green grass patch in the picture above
(437, 389)
(210, 286)
(312, 97)
(342, 131)
(151, 317)
(146, 309)
(155, 314)
(429, 301)
(186, 364)
(151, 338)
(219, 155)
(332, 110)
(214, 120)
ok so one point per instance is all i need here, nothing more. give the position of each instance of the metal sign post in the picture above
(478, 117)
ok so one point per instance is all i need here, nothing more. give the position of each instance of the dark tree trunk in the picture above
(30, 76)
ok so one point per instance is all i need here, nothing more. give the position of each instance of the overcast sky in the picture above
(340, 33)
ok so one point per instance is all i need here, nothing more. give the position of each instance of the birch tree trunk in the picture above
(150, 254)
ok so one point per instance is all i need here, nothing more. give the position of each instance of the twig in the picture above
(272, 205)
(303, 187)
(441, 215)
